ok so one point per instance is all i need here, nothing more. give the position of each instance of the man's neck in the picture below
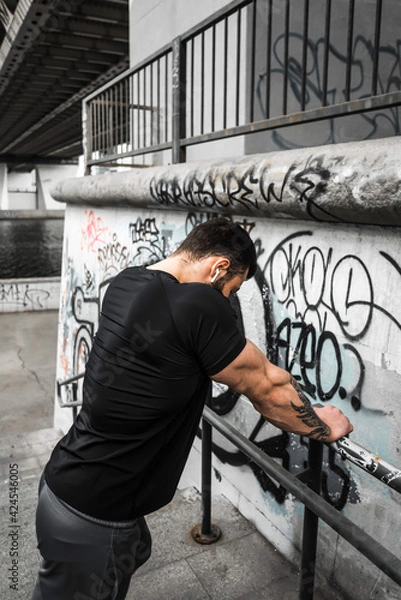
(183, 269)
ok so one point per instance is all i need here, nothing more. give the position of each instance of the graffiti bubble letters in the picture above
(302, 278)
(149, 243)
(324, 305)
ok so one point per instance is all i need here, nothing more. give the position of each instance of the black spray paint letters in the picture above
(361, 62)
(249, 188)
(322, 297)
(24, 295)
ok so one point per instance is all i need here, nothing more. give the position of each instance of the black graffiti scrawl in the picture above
(313, 323)
(253, 189)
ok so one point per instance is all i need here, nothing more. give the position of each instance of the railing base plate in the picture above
(203, 538)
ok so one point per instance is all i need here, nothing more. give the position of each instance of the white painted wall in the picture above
(330, 292)
(23, 295)
(21, 190)
(31, 190)
(155, 23)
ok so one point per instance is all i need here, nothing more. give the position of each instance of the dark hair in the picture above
(221, 237)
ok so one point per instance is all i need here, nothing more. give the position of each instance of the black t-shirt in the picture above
(144, 389)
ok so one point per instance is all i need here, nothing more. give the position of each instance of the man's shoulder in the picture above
(200, 292)
(199, 300)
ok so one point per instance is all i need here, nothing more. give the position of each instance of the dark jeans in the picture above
(85, 558)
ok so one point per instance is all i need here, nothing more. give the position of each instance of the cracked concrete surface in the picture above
(27, 370)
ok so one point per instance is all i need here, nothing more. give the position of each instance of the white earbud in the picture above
(215, 275)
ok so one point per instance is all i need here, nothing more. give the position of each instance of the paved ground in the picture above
(27, 370)
(242, 565)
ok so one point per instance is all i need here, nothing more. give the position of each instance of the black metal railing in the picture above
(69, 395)
(255, 65)
(308, 493)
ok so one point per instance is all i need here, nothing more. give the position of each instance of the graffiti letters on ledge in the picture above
(249, 187)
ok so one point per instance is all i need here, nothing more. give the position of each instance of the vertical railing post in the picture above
(206, 532)
(206, 474)
(179, 100)
(311, 523)
(86, 135)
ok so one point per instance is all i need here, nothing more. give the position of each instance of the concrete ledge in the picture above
(31, 214)
(348, 183)
(22, 295)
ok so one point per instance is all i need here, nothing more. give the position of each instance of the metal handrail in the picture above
(74, 404)
(71, 379)
(357, 537)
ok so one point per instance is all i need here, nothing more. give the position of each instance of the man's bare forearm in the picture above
(278, 397)
(319, 429)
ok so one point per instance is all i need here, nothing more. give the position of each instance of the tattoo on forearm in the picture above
(307, 415)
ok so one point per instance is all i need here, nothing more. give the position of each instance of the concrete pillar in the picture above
(4, 204)
(40, 192)
(48, 176)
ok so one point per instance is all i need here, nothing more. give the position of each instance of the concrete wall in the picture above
(30, 190)
(3, 187)
(324, 305)
(371, 125)
(167, 20)
(22, 295)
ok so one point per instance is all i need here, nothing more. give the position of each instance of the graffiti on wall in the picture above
(107, 253)
(361, 59)
(249, 187)
(23, 295)
(318, 306)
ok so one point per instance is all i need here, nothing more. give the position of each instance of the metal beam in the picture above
(108, 46)
(5, 15)
(13, 159)
(57, 64)
(95, 29)
(103, 11)
(62, 53)
(77, 97)
(25, 28)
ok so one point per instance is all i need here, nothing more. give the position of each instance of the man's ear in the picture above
(221, 263)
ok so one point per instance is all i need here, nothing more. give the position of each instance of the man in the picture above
(166, 330)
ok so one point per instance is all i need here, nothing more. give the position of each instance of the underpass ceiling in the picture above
(53, 53)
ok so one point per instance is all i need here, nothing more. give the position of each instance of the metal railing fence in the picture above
(308, 493)
(131, 114)
(255, 65)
